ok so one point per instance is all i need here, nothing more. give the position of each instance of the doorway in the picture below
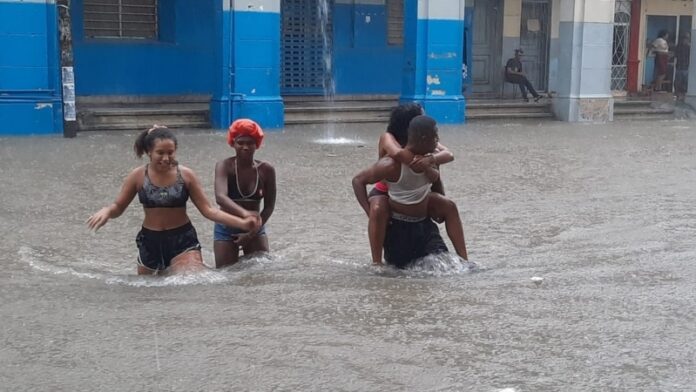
(486, 67)
(534, 41)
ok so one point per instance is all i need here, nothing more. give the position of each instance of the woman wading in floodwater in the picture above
(167, 241)
(241, 183)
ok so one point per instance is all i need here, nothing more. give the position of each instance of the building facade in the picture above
(244, 57)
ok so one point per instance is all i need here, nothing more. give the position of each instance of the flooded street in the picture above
(604, 213)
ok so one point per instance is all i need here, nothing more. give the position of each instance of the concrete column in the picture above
(30, 83)
(433, 43)
(248, 63)
(584, 64)
(554, 46)
(691, 92)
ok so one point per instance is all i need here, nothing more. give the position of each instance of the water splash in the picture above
(444, 264)
(41, 261)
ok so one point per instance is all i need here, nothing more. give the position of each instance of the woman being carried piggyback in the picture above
(241, 184)
(167, 242)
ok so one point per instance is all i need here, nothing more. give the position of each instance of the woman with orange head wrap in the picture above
(241, 184)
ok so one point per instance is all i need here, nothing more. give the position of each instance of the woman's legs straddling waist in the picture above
(442, 208)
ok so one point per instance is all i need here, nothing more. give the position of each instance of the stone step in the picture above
(492, 104)
(508, 110)
(337, 117)
(338, 108)
(141, 110)
(393, 100)
(644, 117)
(632, 102)
(132, 114)
(142, 126)
(511, 115)
(641, 110)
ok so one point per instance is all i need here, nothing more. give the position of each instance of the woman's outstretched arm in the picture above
(124, 198)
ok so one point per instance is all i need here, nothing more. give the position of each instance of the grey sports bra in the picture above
(171, 196)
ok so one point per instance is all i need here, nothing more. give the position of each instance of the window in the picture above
(395, 22)
(120, 19)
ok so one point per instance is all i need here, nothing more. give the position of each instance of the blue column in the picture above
(248, 57)
(467, 55)
(433, 43)
(30, 89)
(584, 61)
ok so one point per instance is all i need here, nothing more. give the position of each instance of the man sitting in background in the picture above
(514, 75)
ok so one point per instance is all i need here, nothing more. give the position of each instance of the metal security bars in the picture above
(133, 19)
(622, 22)
(395, 22)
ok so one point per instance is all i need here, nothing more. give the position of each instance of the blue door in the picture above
(306, 50)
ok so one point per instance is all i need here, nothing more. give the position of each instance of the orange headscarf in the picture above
(245, 127)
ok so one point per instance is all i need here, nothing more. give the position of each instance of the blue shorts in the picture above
(226, 233)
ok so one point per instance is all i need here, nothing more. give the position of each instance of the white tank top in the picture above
(411, 188)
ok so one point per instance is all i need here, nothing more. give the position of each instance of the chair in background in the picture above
(504, 82)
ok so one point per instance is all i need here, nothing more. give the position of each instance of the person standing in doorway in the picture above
(514, 75)
(660, 47)
(682, 54)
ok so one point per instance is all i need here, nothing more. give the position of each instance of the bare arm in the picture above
(392, 148)
(124, 198)
(375, 173)
(250, 223)
(269, 199)
(442, 155)
(221, 196)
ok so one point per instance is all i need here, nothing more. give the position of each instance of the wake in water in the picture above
(444, 264)
(47, 261)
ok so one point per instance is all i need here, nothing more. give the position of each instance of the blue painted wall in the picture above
(29, 80)
(247, 69)
(363, 61)
(181, 61)
(432, 67)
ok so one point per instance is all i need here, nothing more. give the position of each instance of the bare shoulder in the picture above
(265, 167)
(137, 175)
(187, 173)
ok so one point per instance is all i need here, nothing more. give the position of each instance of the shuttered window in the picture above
(120, 19)
(395, 22)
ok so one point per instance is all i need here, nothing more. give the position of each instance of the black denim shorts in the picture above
(156, 249)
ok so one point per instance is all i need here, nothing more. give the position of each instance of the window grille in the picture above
(619, 60)
(395, 22)
(120, 19)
